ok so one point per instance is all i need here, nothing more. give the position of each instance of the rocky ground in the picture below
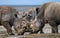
(47, 31)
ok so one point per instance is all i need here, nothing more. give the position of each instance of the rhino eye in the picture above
(29, 15)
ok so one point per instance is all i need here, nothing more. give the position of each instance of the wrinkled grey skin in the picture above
(50, 13)
(7, 17)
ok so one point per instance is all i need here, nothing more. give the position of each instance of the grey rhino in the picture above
(7, 17)
(50, 13)
(33, 22)
(21, 24)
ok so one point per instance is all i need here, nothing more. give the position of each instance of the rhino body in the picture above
(7, 17)
(50, 13)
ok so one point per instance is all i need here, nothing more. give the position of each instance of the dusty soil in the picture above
(47, 31)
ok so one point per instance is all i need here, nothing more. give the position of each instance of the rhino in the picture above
(29, 17)
(21, 24)
(50, 12)
(32, 23)
(7, 17)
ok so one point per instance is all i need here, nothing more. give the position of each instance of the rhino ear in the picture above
(37, 10)
(16, 14)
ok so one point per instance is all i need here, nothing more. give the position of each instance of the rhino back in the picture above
(6, 13)
(52, 12)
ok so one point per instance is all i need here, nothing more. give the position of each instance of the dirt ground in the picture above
(46, 29)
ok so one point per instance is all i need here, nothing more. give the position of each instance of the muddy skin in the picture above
(20, 26)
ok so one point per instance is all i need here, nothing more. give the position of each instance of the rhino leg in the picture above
(41, 27)
(41, 31)
(55, 30)
(8, 27)
(54, 26)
